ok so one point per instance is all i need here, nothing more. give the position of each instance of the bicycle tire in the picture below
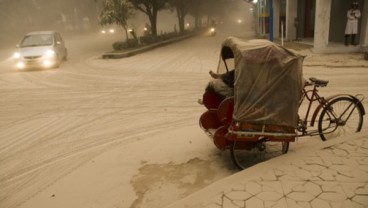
(246, 157)
(327, 124)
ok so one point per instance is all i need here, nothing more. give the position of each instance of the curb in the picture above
(112, 55)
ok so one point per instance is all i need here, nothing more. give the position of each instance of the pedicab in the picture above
(258, 117)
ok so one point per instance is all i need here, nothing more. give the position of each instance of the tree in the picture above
(116, 12)
(150, 8)
(182, 9)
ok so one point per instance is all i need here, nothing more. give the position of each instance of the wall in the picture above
(338, 12)
(291, 14)
(321, 32)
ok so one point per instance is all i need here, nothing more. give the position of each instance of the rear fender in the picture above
(329, 99)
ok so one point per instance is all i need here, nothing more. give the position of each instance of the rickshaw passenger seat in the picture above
(211, 100)
(209, 120)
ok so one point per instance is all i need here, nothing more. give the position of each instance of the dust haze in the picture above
(70, 17)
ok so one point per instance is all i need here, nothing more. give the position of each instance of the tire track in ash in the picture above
(76, 141)
(63, 130)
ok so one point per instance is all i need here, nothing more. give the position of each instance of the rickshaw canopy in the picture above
(268, 81)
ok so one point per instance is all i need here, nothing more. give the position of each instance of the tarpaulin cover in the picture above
(268, 81)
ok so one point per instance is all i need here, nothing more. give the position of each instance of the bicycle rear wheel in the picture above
(246, 154)
(341, 116)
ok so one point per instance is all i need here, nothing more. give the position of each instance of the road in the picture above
(54, 121)
(116, 133)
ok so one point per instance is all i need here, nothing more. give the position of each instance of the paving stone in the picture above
(301, 196)
(362, 190)
(315, 168)
(289, 178)
(337, 204)
(340, 152)
(229, 203)
(350, 188)
(343, 178)
(303, 174)
(314, 161)
(304, 204)
(253, 188)
(299, 163)
(254, 203)
(287, 168)
(272, 186)
(238, 195)
(217, 199)
(292, 203)
(328, 175)
(281, 203)
(340, 168)
(269, 196)
(318, 203)
(238, 187)
(313, 188)
(363, 161)
(360, 175)
(333, 197)
(351, 204)
(333, 187)
(361, 199)
(212, 206)
(269, 176)
(269, 204)
(287, 186)
(279, 173)
(299, 188)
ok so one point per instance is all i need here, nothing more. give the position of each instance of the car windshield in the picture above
(37, 40)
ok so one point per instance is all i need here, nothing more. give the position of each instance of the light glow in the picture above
(16, 55)
(46, 63)
(20, 65)
(50, 53)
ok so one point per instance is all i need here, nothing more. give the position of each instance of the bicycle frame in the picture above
(323, 102)
(312, 96)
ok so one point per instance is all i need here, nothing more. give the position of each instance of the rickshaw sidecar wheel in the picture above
(246, 154)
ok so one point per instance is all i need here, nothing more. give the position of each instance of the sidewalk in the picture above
(332, 174)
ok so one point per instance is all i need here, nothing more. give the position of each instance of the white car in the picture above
(43, 49)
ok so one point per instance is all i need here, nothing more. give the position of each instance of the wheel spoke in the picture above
(246, 154)
(340, 117)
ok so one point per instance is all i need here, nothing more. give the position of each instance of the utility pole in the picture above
(271, 21)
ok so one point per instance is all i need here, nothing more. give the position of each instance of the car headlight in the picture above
(16, 55)
(50, 54)
(20, 65)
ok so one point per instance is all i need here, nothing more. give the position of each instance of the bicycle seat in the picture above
(318, 82)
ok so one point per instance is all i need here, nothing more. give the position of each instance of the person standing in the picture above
(351, 29)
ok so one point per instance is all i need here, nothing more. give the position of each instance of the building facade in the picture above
(318, 22)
